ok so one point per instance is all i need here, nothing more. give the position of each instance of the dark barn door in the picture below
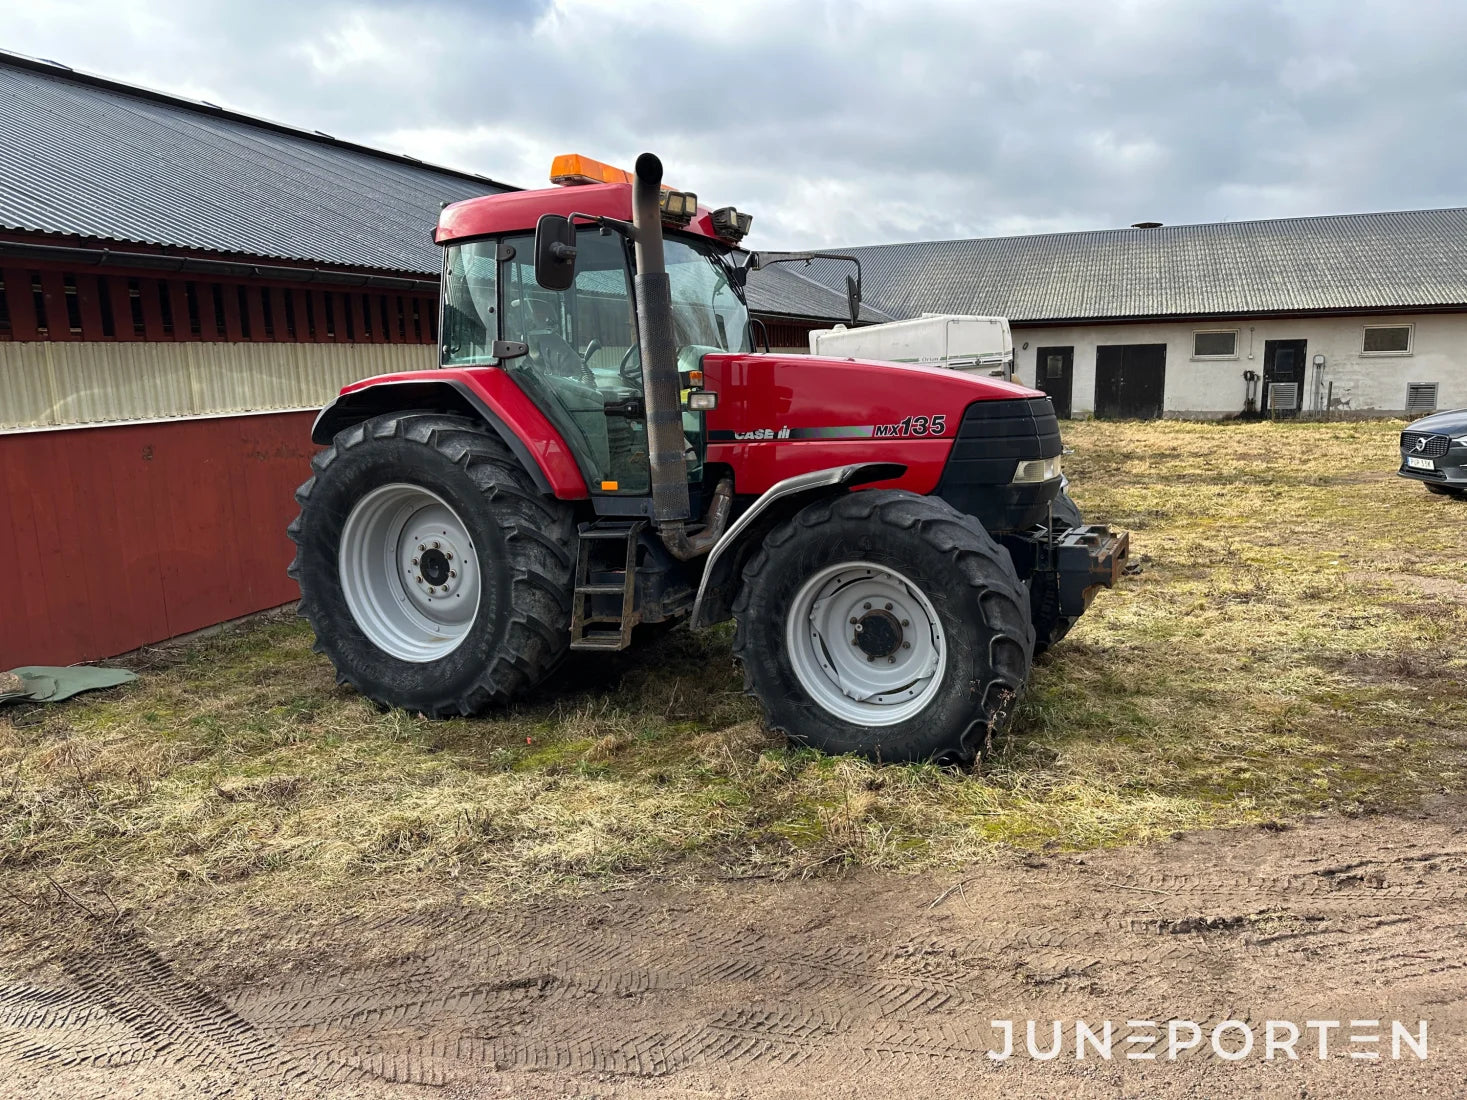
(1283, 377)
(1130, 381)
(1054, 373)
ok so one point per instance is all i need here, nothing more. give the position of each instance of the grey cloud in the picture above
(842, 123)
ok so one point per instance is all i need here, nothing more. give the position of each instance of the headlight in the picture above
(1460, 440)
(1037, 469)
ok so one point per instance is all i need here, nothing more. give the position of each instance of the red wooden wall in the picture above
(53, 301)
(114, 537)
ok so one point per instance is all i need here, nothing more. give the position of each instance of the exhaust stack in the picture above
(665, 443)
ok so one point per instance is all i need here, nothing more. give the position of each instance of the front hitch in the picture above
(1085, 559)
(1072, 564)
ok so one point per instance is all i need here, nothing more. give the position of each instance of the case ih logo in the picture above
(763, 433)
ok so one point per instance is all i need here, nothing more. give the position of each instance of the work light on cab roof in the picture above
(679, 208)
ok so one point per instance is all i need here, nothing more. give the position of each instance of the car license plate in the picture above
(1420, 463)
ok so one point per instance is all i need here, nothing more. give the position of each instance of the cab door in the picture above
(583, 367)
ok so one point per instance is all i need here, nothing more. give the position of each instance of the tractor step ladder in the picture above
(616, 632)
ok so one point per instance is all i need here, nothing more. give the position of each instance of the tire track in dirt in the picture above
(751, 984)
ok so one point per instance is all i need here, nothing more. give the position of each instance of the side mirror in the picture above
(555, 252)
(853, 299)
(758, 327)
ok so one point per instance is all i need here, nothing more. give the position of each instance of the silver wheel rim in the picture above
(883, 673)
(409, 572)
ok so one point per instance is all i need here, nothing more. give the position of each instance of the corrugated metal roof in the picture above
(88, 156)
(782, 289)
(1403, 259)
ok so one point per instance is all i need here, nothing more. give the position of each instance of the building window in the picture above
(1387, 340)
(1215, 344)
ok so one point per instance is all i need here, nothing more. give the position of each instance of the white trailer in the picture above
(979, 344)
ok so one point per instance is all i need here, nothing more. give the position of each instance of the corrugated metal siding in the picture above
(49, 384)
(101, 161)
(129, 535)
(1405, 259)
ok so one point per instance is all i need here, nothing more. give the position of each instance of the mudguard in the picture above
(779, 501)
(486, 394)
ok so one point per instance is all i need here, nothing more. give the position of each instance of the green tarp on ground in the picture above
(46, 684)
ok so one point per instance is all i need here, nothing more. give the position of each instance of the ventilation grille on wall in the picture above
(1421, 397)
(1283, 396)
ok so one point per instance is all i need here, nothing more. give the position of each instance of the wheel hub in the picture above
(878, 634)
(434, 567)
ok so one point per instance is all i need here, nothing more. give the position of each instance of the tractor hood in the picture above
(779, 416)
(813, 397)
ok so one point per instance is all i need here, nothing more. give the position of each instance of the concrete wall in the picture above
(1363, 384)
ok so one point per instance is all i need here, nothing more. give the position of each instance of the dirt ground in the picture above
(1236, 794)
(865, 985)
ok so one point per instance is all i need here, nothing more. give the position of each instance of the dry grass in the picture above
(1274, 658)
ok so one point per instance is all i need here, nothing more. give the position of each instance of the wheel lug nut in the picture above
(854, 620)
(867, 606)
(891, 660)
(415, 561)
(419, 580)
(859, 628)
(906, 622)
(453, 573)
(906, 645)
(435, 546)
(421, 547)
(871, 658)
(888, 607)
(449, 555)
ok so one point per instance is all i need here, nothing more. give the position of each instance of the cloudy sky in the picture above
(849, 122)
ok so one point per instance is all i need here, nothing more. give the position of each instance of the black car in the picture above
(1434, 451)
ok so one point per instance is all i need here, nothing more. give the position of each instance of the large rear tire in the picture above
(885, 624)
(436, 576)
(1050, 626)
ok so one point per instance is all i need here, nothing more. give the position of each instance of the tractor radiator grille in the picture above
(1434, 447)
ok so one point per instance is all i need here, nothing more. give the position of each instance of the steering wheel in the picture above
(633, 379)
(591, 349)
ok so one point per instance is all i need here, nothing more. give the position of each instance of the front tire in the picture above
(436, 576)
(944, 644)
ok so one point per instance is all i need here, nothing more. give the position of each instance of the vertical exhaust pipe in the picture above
(665, 443)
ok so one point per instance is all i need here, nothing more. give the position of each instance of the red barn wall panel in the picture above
(131, 534)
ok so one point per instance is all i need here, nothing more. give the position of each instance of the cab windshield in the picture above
(706, 311)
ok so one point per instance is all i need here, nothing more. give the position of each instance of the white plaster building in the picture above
(1365, 314)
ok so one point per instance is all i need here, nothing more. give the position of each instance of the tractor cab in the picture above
(572, 346)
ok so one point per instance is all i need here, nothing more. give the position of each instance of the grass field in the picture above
(1293, 644)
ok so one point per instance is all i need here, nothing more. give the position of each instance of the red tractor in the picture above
(602, 446)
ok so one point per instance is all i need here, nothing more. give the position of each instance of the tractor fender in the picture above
(487, 396)
(722, 573)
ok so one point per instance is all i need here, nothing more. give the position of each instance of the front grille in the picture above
(1434, 447)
